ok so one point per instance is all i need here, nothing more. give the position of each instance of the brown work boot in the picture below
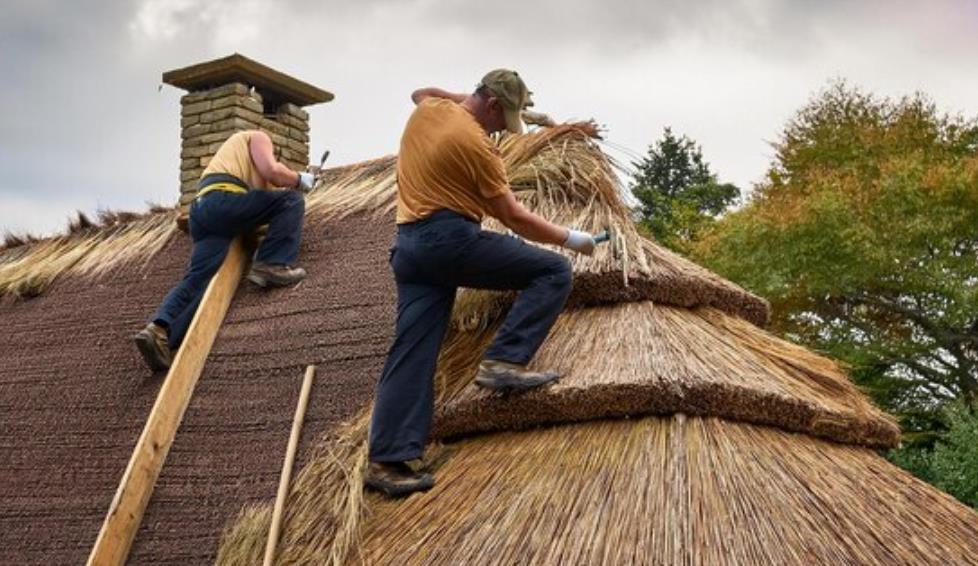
(154, 345)
(506, 376)
(265, 274)
(397, 479)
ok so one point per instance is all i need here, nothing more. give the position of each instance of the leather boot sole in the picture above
(146, 344)
(267, 280)
(508, 383)
(401, 488)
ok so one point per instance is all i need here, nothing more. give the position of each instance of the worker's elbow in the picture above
(417, 96)
(510, 219)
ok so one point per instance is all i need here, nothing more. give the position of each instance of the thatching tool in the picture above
(608, 235)
(283, 485)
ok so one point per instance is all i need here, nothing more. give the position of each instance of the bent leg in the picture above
(180, 304)
(544, 279)
(404, 402)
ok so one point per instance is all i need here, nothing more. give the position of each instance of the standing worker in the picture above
(236, 194)
(450, 176)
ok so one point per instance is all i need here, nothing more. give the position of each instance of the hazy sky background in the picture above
(84, 126)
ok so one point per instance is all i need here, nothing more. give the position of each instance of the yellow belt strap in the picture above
(226, 187)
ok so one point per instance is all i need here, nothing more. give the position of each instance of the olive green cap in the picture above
(509, 88)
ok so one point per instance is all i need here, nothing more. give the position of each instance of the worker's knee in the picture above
(561, 273)
(292, 199)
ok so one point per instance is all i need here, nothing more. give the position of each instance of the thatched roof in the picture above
(647, 333)
(681, 431)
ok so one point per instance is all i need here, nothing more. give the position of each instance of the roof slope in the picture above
(74, 393)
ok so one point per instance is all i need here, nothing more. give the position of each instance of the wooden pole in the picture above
(134, 491)
(283, 485)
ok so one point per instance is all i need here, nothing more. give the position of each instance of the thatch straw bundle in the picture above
(88, 249)
(636, 359)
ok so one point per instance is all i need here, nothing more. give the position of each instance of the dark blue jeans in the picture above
(430, 260)
(215, 219)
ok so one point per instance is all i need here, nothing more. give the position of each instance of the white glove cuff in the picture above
(577, 239)
(306, 181)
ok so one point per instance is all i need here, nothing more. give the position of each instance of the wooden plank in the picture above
(283, 484)
(134, 491)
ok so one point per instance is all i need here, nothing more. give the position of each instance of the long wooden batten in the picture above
(136, 487)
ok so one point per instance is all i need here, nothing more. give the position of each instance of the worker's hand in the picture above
(306, 182)
(580, 242)
(537, 119)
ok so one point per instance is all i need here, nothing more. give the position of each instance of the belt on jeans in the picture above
(226, 187)
(221, 182)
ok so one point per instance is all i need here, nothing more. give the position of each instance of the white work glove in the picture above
(580, 242)
(305, 183)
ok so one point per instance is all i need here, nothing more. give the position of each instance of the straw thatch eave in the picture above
(88, 249)
(641, 358)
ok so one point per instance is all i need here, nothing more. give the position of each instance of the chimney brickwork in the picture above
(232, 94)
(209, 117)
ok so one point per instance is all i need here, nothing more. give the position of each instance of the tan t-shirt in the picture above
(446, 162)
(234, 158)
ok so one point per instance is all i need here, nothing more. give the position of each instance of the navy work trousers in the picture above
(215, 219)
(430, 260)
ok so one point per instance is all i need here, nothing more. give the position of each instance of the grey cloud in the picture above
(84, 126)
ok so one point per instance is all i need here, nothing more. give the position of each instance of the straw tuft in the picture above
(87, 249)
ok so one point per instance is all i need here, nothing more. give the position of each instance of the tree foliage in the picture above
(952, 463)
(678, 194)
(864, 236)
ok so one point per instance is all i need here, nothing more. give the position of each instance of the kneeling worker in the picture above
(450, 176)
(236, 195)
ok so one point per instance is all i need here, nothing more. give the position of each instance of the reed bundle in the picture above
(88, 249)
(640, 358)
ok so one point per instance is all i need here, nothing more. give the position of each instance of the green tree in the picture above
(952, 464)
(864, 236)
(678, 194)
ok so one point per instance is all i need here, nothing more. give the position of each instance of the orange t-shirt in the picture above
(446, 161)
(234, 158)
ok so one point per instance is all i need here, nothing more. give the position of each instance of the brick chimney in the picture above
(232, 94)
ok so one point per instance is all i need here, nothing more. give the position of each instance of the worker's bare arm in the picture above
(434, 92)
(263, 156)
(517, 218)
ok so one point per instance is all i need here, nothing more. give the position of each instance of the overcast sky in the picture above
(84, 126)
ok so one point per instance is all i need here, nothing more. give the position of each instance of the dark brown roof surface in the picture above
(71, 413)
